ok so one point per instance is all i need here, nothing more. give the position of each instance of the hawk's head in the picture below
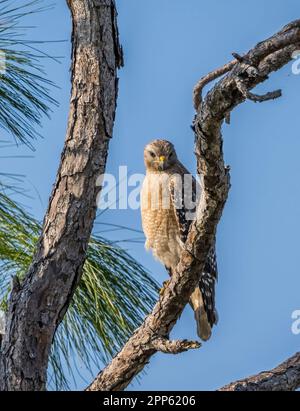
(159, 155)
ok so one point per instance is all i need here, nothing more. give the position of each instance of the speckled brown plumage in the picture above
(168, 203)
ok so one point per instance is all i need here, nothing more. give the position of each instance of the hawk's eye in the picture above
(152, 154)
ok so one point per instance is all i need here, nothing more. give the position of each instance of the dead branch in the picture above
(254, 68)
(173, 347)
(213, 75)
(285, 377)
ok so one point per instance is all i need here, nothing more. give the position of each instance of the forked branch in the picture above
(242, 76)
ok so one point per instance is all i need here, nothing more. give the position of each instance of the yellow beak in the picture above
(162, 159)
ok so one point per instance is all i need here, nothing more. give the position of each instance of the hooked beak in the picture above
(162, 160)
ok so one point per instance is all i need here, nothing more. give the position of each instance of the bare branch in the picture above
(173, 347)
(285, 377)
(266, 57)
(255, 97)
(213, 75)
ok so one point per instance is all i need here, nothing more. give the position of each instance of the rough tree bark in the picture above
(285, 377)
(244, 73)
(37, 306)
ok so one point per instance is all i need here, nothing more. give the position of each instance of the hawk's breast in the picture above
(158, 219)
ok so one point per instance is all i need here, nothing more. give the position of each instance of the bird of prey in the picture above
(168, 204)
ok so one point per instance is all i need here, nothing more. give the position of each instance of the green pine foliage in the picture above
(113, 296)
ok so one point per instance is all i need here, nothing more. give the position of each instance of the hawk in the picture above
(168, 204)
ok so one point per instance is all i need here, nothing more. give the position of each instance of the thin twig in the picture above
(213, 75)
(173, 347)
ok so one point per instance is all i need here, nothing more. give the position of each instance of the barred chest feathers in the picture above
(159, 220)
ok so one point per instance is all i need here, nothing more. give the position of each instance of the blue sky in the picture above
(168, 46)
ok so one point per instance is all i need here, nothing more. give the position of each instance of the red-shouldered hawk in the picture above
(168, 204)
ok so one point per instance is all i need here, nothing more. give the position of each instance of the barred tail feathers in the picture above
(203, 325)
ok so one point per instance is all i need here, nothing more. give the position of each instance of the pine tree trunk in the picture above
(37, 305)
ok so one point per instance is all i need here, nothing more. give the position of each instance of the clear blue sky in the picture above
(168, 45)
